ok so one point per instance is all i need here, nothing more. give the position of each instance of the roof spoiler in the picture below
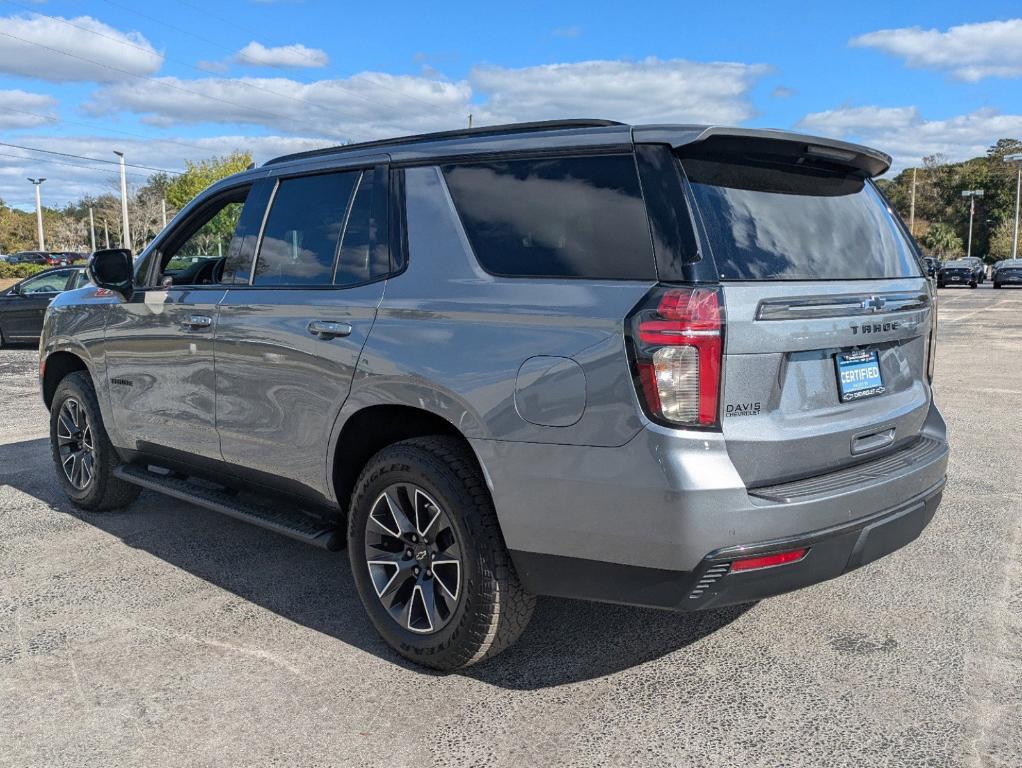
(751, 141)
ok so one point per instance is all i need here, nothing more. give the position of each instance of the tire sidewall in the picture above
(397, 465)
(80, 388)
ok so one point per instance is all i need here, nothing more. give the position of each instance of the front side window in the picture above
(778, 221)
(302, 233)
(196, 254)
(50, 282)
(555, 217)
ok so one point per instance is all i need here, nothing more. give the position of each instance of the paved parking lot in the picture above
(166, 634)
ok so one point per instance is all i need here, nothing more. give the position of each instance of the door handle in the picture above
(328, 329)
(197, 321)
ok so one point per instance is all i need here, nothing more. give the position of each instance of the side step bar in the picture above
(289, 522)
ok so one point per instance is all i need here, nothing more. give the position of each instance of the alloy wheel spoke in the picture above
(447, 573)
(426, 512)
(422, 616)
(388, 516)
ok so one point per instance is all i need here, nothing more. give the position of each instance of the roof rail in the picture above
(488, 130)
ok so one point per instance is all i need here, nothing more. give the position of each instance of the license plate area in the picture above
(858, 375)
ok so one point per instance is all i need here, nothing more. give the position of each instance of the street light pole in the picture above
(1017, 159)
(125, 228)
(972, 194)
(39, 212)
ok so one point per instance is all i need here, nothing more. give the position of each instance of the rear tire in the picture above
(82, 452)
(972, 284)
(997, 286)
(424, 501)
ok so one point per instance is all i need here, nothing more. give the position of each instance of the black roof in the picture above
(487, 130)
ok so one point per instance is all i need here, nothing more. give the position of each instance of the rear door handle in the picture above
(197, 321)
(328, 329)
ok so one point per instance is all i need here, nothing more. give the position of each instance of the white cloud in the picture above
(650, 90)
(970, 52)
(907, 136)
(34, 46)
(19, 109)
(282, 57)
(374, 104)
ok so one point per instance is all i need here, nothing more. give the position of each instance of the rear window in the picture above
(780, 222)
(560, 217)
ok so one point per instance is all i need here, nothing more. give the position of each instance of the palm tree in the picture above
(940, 239)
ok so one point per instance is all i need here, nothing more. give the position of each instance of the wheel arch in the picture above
(55, 367)
(371, 429)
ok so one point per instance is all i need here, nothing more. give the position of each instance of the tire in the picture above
(997, 286)
(972, 284)
(490, 609)
(78, 429)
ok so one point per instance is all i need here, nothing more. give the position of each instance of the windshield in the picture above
(777, 221)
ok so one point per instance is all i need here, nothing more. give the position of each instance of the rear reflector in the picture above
(768, 561)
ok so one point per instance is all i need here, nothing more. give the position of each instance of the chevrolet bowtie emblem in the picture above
(874, 303)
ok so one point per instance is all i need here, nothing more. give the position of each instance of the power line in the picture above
(48, 161)
(162, 82)
(90, 159)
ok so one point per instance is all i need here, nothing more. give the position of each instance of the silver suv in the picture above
(671, 366)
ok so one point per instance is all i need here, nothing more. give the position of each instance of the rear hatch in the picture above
(827, 313)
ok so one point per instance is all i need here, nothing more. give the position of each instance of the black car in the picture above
(979, 268)
(29, 257)
(1008, 272)
(22, 306)
(959, 272)
(932, 266)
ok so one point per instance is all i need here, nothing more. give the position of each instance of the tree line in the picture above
(942, 214)
(67, 228)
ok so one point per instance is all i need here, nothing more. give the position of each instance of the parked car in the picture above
(932, 266)
(504, 362)
(960, 272)
(29, 257)
(979, 268)
(61, 258)
(23, 305)
(1007, 272)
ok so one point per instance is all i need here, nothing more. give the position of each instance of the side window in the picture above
(359, 261)
(303, 230)
(197, 253)
(51, 282)
(558, 217)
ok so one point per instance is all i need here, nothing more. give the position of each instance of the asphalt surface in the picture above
(168, 635)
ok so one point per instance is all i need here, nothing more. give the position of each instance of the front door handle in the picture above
(328, 329)
(197, 321)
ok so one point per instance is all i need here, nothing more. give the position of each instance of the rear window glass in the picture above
(560, 217)
(779, 222)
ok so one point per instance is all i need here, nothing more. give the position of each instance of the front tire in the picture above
(82, 452)
(972, 284)
(428, 558)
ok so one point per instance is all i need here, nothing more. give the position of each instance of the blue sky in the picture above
(185, 79)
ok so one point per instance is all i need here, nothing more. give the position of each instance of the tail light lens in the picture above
(677, 342)
(931, 350)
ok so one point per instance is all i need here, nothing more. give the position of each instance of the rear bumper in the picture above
(831, 552)
(645, 522)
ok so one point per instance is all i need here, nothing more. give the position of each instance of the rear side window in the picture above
(302, 232)
(782, 222)
(359, 261)
(561, 217)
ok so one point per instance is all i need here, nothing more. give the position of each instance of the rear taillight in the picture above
(931, 349)
(676, 343)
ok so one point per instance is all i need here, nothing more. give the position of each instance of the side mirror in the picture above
(112, 268)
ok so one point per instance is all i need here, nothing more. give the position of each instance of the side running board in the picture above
(289, 522)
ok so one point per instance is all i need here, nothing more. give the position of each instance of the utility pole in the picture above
(92, 229)
(125, 228)
(164, 201)
(39, 212)
(469, 119)
(1017, 159)
(912, 207)
(972, 194)
(106, 234)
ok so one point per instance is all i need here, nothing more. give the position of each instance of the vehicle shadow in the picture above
(567, 641)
